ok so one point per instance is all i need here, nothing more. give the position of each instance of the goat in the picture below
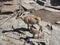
(35, 31)
(30, 20)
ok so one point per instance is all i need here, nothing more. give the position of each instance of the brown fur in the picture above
(35, 31)
(30, 20)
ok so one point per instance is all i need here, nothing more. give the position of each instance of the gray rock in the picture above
(36, 26)
(55, 40)
(58, 22)
(11, 41)
(26, 13)
(54, 27)
(12, 36)
(1, 41)
(16, 23)
(35, 43)
(27, 44)
(21, 23)
(47, 35)
(36, 40)
(46, 30)
(22, 36)
(8, 24)
(26, 34)
(44, 23)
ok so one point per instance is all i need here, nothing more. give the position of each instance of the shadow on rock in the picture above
(27, 39)
(43, 43)
(16, 30)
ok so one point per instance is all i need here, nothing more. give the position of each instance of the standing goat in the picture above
(30, 20)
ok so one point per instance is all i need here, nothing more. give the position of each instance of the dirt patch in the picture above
(48, 16)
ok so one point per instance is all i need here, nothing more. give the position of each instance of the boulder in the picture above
(58, 22)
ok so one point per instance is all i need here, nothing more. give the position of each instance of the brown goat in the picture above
(30, 20)
(35, 31)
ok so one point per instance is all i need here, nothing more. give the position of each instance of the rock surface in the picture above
(58, 22)
(22, 36)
